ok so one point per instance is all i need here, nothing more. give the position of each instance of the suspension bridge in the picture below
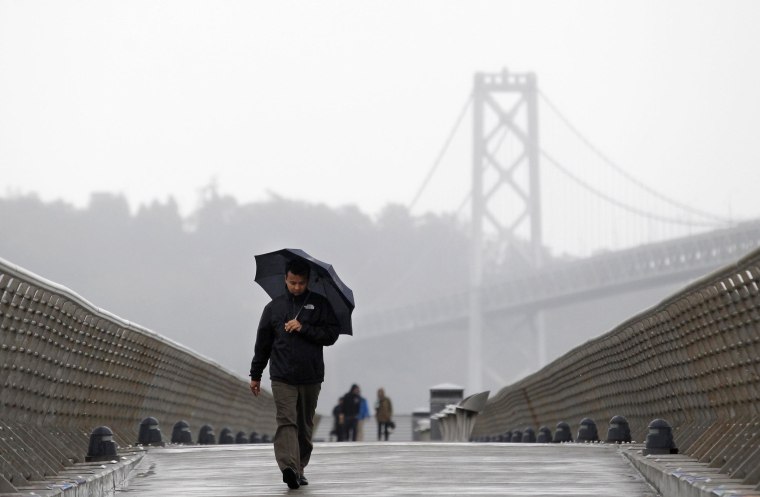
(641, 244)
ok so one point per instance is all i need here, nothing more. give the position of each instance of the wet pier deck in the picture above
(372, 469)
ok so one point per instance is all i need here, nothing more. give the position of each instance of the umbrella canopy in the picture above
(270, 274)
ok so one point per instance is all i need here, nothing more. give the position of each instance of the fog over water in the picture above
(149, 149)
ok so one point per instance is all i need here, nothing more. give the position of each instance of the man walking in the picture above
(294, 328)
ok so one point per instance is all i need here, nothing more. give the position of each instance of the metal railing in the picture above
(693, 360)
(67, 367)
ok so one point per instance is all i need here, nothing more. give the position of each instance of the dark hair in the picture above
(298, 267)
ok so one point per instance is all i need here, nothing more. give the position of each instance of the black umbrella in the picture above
(270, 274)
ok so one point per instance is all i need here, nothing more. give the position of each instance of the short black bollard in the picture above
(241, 438)
(206, 435)
(225, 436)
(619, 431)
(506, 436)
(149, 432)
(516, 436)
(181, 433)
(102, 447)
(544, 435)
(587, 431)
(254, 438)
(660, 438)
(562, 433)
(529, 436)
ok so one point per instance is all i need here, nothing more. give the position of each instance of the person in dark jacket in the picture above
(338, 421)
(292, 332)
(351, 408)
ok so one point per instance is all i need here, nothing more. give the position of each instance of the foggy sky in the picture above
(349, 102)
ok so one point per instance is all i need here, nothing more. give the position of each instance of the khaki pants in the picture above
(295, 406)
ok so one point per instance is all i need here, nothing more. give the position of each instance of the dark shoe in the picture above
(290, 477)
(302, 480)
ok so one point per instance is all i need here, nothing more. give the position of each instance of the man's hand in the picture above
(292, 326)
(256, 387)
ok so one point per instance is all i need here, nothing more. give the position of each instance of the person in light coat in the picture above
(383, 414)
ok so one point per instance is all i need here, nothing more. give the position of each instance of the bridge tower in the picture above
(506, 207)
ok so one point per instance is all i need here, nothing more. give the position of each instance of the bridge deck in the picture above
(371, 469)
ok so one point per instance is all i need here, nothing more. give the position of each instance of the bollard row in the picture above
(659, 439)
(102, 446)
(150, 434)
(694, 360)
(67, 366)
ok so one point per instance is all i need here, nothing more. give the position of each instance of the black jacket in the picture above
(351, 405)
(294, 358)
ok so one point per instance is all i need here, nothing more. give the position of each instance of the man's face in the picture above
(296, 283)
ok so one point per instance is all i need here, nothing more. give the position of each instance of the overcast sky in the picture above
(349, 102)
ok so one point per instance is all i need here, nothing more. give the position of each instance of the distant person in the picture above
(293, 349)
(338, 424)
(363, 416)
(351, 408)
(383, 414)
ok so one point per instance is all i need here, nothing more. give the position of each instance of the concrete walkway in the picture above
(391, 469)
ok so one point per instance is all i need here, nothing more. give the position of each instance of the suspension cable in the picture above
(622, 205)
(442, 152)
(627, 175)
